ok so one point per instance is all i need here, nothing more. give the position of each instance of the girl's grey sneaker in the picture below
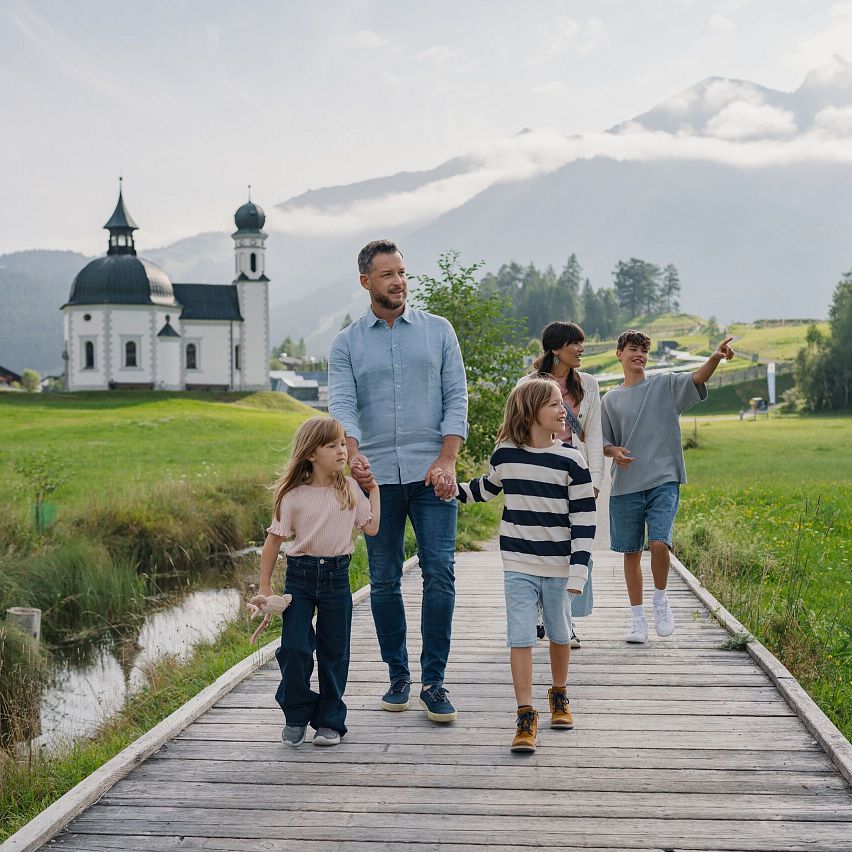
(326, 737)
(294, 735)
(395, 700)
(433, 699)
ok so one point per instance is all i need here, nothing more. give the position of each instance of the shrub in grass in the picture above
(176, 528)
(22, 673)
(79, 586)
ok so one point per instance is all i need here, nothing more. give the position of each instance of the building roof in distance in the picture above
(121, 279)
(208, 301)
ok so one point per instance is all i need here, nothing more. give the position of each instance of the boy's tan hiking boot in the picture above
(527, 730)
(560, 712)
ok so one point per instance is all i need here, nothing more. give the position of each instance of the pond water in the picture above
(89, 686)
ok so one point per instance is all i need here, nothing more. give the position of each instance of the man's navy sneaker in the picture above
(396, 698)
(433, 699)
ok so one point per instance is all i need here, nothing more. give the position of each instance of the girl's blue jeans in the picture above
(321, 583)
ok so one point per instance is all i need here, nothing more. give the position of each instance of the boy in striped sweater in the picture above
(546, 534)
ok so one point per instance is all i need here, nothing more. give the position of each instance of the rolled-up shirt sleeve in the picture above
(453, 387)
(342, 390)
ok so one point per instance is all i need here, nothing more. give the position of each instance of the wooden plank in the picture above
(248, 823)
(520, 777)
(372, 754)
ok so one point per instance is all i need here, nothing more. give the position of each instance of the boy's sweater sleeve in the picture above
(608, 438)
(482, 489)
(581, 517)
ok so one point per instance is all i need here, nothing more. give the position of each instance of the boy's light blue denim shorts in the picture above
(523, 591)
(630, 513)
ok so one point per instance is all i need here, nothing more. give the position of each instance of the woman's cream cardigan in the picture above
(590, 419)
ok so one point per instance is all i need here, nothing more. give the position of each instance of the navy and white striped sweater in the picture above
(548, 522)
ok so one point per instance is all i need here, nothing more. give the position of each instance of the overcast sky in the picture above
(191, 101)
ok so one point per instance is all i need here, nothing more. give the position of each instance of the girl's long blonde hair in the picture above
(312, 434)
(524, 403)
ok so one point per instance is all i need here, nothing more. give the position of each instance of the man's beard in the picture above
(385, 302)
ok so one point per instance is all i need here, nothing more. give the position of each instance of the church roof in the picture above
(208, 301)
(120, 217)
(249, 218)
(167, 330)
(121, 279)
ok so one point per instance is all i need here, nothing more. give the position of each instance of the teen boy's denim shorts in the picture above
(629, 514)
(523, 591)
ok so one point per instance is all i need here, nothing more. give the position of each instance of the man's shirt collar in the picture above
(406, 315)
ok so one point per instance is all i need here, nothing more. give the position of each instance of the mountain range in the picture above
(745, 188)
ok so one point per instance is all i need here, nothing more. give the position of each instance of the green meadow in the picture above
(766, 522)
(118, 444)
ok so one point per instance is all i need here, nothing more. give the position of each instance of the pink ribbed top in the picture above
(311, 515)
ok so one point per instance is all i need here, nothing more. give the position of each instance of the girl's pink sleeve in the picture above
(363, 512)
(283, 526)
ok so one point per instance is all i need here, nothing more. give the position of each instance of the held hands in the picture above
(441, 476)
(362, 472)
(267, 606)
(723, 350)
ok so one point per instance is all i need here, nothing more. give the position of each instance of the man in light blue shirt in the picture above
(398, 386)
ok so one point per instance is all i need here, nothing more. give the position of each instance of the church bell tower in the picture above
(251, 351)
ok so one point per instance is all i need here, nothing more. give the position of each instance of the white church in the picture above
(127, 326)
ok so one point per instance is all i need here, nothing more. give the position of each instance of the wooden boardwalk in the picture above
(677, 745)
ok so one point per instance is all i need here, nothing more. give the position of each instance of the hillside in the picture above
(33, 287)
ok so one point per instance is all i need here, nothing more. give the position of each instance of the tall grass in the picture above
(79, 587)
(770, 595)
(22, 673)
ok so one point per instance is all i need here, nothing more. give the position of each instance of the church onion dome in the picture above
(122, 279)
(167, 330)
(250, 217)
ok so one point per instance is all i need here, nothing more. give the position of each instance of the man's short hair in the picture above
(636, 338)
(366, 255)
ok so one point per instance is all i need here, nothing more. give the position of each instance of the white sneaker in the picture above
(326, 737)
(638, 634)
(575, 642)
(664, 619)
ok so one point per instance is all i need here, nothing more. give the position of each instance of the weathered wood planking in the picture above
(677, 744)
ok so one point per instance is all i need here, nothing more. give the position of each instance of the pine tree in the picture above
(670, 291)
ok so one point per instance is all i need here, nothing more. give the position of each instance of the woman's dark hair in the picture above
(555, 336)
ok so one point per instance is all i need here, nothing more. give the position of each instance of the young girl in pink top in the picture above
(317, 507)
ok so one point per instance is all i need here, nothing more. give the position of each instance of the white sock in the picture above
(638, 611)
(660, 596)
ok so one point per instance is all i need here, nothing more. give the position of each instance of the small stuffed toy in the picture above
(267, 606)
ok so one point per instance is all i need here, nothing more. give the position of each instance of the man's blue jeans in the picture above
(434, 523)
(321, 583)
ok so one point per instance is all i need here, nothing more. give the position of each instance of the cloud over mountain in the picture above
(730, 122)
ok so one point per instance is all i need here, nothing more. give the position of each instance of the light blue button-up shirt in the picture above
(398, 390)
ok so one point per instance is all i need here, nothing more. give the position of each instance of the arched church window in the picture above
(191, 357)
(253, 262)
(89, 355)
(130, 354)
(237, 357)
